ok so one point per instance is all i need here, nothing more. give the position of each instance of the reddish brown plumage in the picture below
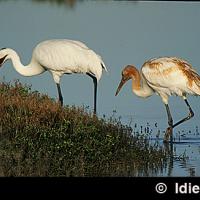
(164, 76)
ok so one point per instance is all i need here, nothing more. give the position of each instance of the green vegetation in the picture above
(38, 137)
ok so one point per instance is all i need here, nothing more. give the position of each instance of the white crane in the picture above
(165, 76)
(59, 56)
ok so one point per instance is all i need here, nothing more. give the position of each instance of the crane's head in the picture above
(3, 56)
(127, 73)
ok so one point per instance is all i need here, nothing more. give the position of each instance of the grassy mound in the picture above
(38, 137)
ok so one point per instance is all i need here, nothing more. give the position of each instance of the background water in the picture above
(122, 32)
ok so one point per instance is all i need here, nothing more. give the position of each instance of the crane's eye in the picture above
(124, 73)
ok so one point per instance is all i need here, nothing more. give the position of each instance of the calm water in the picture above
(122, 33)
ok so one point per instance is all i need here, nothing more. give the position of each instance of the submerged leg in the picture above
(169, 130)
(59, 94)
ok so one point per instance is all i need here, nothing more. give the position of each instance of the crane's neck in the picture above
(140, 86)
(33, 68)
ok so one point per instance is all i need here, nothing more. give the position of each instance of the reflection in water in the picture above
(179, 162)
(69, 3)
(182, 157)
(169, 149)
(192, 171)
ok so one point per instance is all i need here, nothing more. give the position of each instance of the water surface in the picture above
(122, 33)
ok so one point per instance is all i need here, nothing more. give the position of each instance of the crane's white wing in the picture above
(68, 56)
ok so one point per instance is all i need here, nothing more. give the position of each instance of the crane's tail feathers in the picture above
(103, 66)
(196, 86)
(194, 82)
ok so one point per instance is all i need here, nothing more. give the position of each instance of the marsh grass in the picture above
(38, 137)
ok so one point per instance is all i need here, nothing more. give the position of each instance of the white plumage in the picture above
(59, 56)
(67, 56)
(171, 75)
(164, 76)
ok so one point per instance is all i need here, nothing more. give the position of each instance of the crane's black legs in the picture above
(59, 94)
(95, 91)
(190, 115)
(95, 95)
(169, 130)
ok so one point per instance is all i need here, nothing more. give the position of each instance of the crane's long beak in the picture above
(122, 82)
(2, 60)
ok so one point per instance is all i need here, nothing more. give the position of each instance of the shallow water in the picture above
(184, 153)
(122, 33)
